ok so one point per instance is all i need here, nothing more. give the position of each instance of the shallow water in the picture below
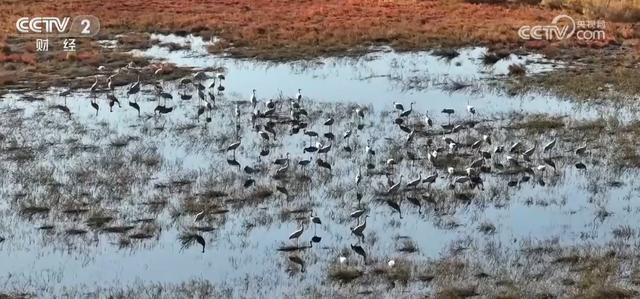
(241, 251)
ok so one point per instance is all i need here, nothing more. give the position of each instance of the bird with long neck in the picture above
(95, 106)
(254, 99)
(94, 86)
(299, 95)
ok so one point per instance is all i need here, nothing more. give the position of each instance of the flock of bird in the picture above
(443, 148)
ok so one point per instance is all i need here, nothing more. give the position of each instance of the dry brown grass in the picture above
(309, 28)
(613, 10)
(260, 29)
(344, 274)
(538, 123)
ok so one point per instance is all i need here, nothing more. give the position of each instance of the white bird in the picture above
(451, 170)
(391, 263)
(342, 260)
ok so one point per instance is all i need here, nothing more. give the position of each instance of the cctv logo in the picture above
(79, 26)
(42, 25)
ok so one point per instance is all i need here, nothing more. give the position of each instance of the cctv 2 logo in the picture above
(82, 26)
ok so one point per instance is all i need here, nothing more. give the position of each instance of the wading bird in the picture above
(393, 189)
(299, 95)
(234, 146)
(428, 120)
(95, 106)
(549, 146)
(360, 251)
(414, 183)
(358, 230)
(254, 99)
(407, 112)
(296, 234)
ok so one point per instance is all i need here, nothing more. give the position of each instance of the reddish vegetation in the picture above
(286, 29)
(267, 27)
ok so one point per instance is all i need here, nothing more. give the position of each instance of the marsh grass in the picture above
(538, 123)
(491, 58)
(616, 11)
(187, 239)
(75, 231)
(487, 228)
(98, 219)
(132, 41)
(344, 274)
(447, 54)
(457, 292)
(174, 46)
(118, 229)
(32, 210)
(408, 246)
(624, 232)
(197, 288)
(128, 198)
(517, 69)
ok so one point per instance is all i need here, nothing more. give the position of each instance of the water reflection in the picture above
(99, 198)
